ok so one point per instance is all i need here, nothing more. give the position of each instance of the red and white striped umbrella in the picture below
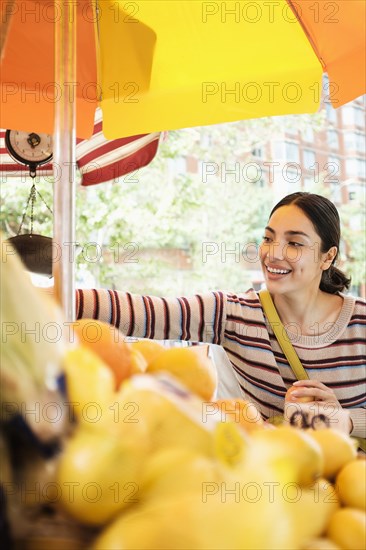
(99, 160)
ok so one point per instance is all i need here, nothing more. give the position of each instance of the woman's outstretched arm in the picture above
(198, 318)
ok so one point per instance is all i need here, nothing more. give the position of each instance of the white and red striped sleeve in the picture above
(199, 318)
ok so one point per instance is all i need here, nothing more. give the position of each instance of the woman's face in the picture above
(290, 253)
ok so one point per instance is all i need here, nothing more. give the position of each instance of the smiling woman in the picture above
(324, 324)
(317, 242)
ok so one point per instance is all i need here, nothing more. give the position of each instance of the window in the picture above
(334, 163)
(361, 168)
(335, 193)
(354, 141)
(359, 116)
(348, 115)
(332, 170)
(292, 152)
(360, 101)
(361, 142)
(332, 138)
(279, 150)
(309, 159)
(354, 192)
(353, 115)
(331, 113)
(351, 167)
(257, 152)
(356, 167)
(350, 141)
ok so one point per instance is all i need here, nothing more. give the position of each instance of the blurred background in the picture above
(191, 221)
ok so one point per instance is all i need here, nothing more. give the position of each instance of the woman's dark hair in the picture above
(325, 219)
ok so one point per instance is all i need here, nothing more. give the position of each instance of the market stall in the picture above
(115, 444)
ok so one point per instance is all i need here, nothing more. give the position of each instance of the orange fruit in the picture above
(290, 397)
(242, 412)
(191, 366)
(109, 343)
(148, 348)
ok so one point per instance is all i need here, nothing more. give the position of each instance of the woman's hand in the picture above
(317, 390)
(324, 404)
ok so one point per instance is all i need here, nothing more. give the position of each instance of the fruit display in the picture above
(146, 456)
(33, 343)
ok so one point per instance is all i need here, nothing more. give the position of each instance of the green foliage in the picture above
(210, 222)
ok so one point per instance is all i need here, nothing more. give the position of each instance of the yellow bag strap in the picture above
(287, 347)
(280, 333)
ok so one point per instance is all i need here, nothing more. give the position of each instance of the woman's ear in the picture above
(329, 257)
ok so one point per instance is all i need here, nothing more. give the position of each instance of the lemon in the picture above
(337, 448)
(310, 508)
(347, 528)
(148, 348)
(321, 543)
(90, 383)
(176, 470)
(173, 416)
(295, 446)
(351, 484)
(138, 362)
(98, 474)
(188, 522)
(191, 366)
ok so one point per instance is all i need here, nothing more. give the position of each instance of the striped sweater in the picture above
(237, 322)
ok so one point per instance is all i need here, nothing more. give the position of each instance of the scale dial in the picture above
(29, 148)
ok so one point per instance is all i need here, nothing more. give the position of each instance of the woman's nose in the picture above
(277, 251)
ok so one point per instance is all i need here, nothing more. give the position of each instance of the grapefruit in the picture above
(108, 343)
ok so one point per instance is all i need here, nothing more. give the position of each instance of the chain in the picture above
(44, 202)
(31, 194)
(32, 199)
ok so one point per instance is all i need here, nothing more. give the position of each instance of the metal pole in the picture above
(64, 157)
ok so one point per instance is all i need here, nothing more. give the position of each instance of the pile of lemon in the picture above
(154, 462)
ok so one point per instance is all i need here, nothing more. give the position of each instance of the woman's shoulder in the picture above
(356, 303)
(353, 312)
(360, 302)
(359, 305)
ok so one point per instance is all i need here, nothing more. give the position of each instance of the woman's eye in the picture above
(266, 239)
(292, 243)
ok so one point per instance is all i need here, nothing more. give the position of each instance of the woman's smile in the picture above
(287, 252)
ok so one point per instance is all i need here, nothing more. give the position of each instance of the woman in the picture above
(326, 327)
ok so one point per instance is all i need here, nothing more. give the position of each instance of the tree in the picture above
(210, 216)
